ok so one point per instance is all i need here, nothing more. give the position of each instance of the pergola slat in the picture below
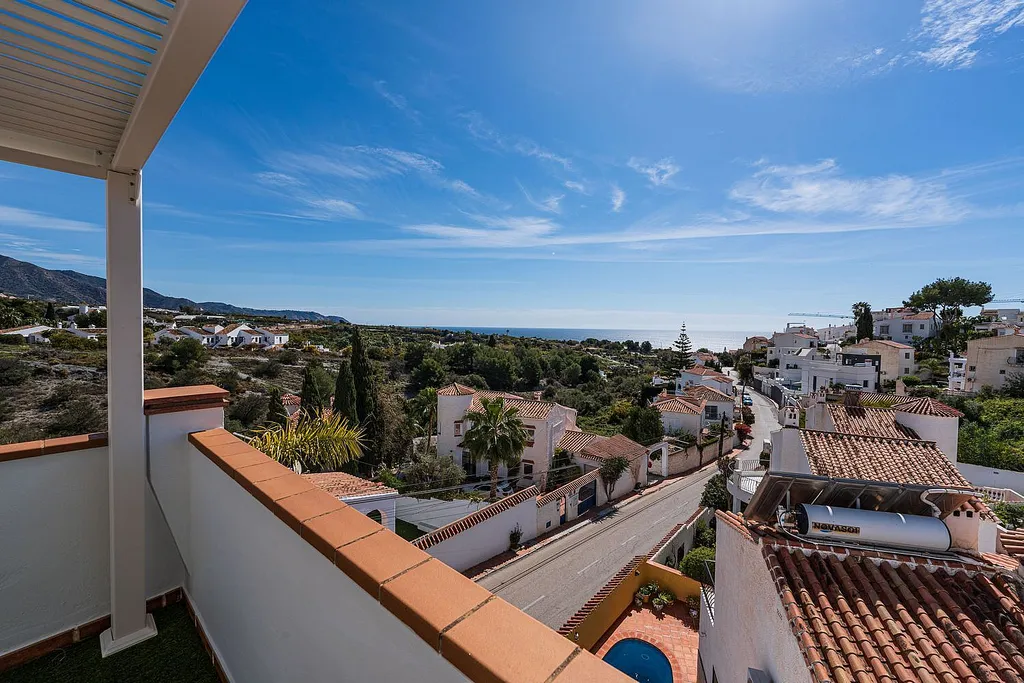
(58, 120)
(157, 9)
(145, 21)
(72, 44)
(59, 53)
(46, 95)
(31, 104)
(114, 97)
(51, 133)
(46, 61)
(76, 29)
(101, 22)
(13, 75)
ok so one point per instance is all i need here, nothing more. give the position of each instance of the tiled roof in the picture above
(884, 400)
(570, 488)
(871, 458)
(1012, 542)
(705, 372)
(231, 328)
(618, 445)
(757, 338)
(868, 422)
(291, 400)
(706, 393)
(524, 407)
(804, 336)
(886, 342)
(924, 315)
(678, 404)
(861, 621)
(455, 389)
(469, 521)
(342, 485)
(574, 440)
(927, 406)
(980, 508)
(12, 330)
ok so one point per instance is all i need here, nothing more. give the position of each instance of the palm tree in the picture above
(427, 400)
(497, 436)
(321, 444)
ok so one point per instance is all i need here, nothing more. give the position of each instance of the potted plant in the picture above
(658, 604)
(693, 602)
(638, 600)
(647, 590)
(666, 597)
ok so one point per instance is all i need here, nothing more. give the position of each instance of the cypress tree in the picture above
(345, 393)
(316, 388)
(683, 350)
(51, 313)
(362, 376)
(276, 412)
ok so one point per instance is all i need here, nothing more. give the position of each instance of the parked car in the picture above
(747, 401)
(504, 489)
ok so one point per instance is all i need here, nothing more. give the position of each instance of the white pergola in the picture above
(88, 87)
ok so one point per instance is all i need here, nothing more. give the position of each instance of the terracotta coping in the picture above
(176, 399)
(483, 636)
(64, 444)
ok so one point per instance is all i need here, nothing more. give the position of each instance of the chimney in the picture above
(791, 416)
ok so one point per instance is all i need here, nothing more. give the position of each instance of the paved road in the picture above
(766, 421)
(555, 580)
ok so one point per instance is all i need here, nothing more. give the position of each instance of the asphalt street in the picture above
(554, 581)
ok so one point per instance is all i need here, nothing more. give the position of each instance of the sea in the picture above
(715, 340)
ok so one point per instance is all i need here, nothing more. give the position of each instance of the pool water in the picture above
(640, 661)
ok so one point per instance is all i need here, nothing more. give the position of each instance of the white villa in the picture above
(904, 324)
(217, 336)
(699, 375)
(34, 334)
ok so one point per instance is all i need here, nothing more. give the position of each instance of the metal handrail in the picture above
(709, 570)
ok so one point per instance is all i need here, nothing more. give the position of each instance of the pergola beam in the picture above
(196, 30)
(22, 148)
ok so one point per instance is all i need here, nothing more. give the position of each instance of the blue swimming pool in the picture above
(640, 661)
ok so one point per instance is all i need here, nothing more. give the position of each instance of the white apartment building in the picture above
(897, 359)
(217, 336)
(837, 333)
(904, 324)
(992, 359)
(546, 423)
(957, 373)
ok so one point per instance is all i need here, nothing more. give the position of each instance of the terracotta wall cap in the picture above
(174, 399)
(63, 444)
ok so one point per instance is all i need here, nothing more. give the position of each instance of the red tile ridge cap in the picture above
(175, 399)
(471, 520)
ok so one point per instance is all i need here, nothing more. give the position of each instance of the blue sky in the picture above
(577, 163)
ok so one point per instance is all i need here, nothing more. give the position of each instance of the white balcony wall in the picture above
(273, 608)
(55, 546)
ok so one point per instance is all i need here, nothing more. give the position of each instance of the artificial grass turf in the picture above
(175, 655)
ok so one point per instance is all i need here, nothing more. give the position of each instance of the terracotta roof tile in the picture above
(677, 404)
(870, 458)
(470, 521)
(570, 488)
(291, 400)
(868, 422)
(705, 372)
(342, 485)
(574, 440)
(881, 400)
(618, 445)
(706, 393)
(455, 389)
(527, 408)
(886, 342)
(927, 406)
(924, 315)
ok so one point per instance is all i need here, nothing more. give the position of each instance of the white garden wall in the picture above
(432, 513)
(989, 476)
(488, 538)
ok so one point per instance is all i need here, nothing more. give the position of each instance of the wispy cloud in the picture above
(552, 203)
(13, 216)
(658, 172)
(275, 179)
(396, 100)
(955, 27)
(333, 208)
(821, 189)
(618, 198)
(36, 251)
(575, 186)
(482, 130)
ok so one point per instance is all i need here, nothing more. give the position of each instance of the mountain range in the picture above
(27, 280)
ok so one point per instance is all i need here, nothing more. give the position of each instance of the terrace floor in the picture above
(175, 655)
(673, 631)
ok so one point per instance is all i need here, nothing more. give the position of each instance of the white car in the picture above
(504, 489)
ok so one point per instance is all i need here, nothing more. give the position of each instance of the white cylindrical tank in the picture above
(914, 532)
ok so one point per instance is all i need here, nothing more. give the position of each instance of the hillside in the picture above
(27, 280)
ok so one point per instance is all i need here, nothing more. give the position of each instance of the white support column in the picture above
(126, 421)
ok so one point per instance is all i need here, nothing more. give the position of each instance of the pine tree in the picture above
(345, 393)
(51, 313)
(362, 376)
(683, 350)
(276, 412)
(865, 323)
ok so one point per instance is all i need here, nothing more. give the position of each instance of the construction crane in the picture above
(1006, 301)
(821, 315)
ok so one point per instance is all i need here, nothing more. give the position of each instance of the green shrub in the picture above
(271, 369)
(250, 410)
(715, 494)
(60, 395)
(13, 372)
(1010, 514)
(189, 377)
(692, 564)
(13, 340)
(78, 416)
(703, 535)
